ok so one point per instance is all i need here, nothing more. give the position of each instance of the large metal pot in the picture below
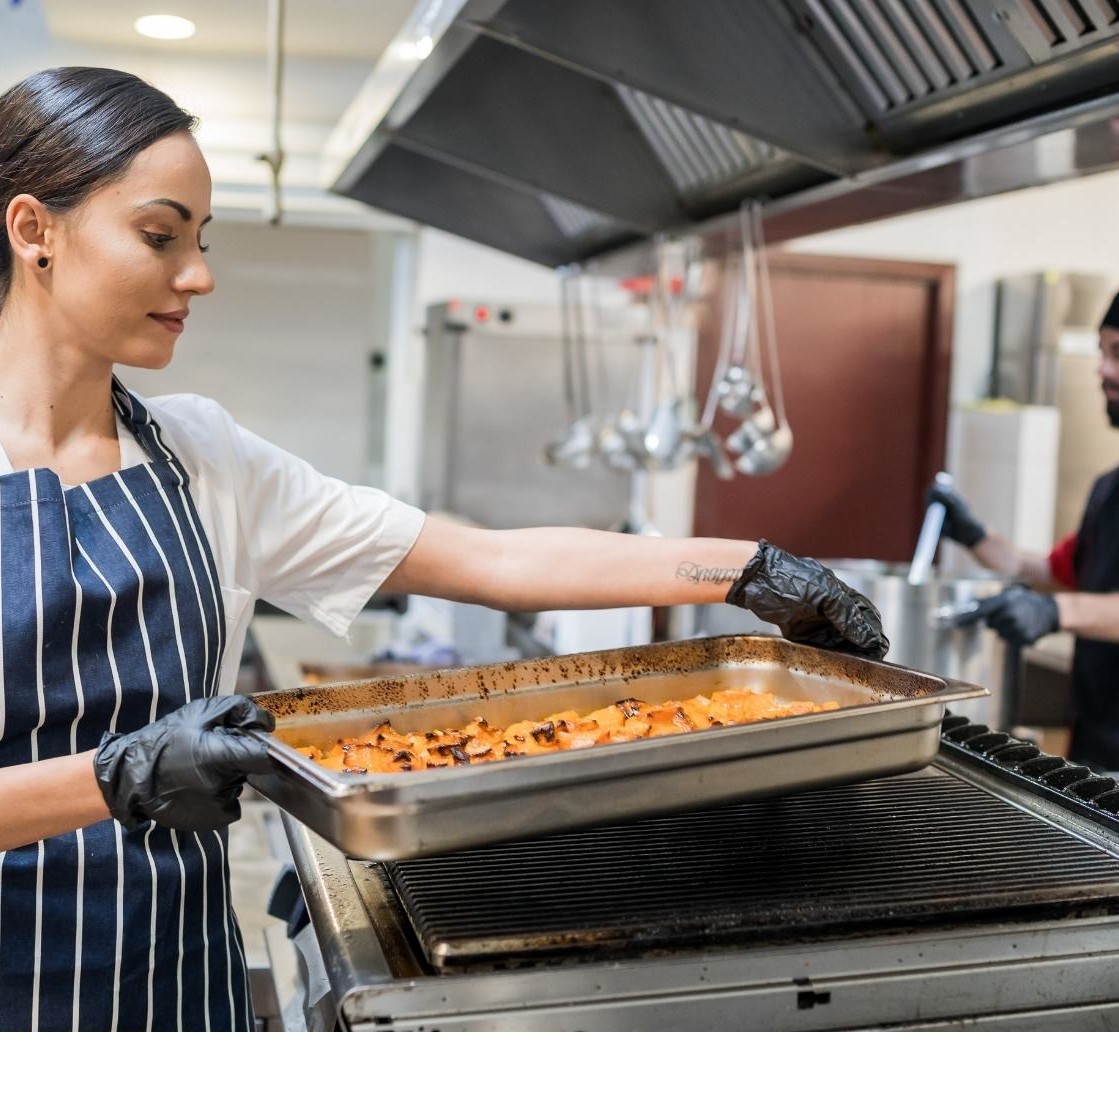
(918, 639)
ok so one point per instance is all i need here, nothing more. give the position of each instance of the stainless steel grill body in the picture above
(890, 724)
(950, 899)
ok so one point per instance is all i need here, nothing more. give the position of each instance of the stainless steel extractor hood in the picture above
(559, 131)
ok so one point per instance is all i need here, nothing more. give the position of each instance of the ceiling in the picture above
(221, 76)
(352, 29)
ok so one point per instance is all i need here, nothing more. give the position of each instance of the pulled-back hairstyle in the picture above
(66, 132)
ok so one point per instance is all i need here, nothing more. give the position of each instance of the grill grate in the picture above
(922, 848)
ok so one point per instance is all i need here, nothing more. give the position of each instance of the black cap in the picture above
(1112, 317)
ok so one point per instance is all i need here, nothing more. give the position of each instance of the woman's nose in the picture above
(197, 277)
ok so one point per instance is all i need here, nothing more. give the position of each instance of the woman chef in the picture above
(135, 536)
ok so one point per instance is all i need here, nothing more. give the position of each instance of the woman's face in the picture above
(126, 263)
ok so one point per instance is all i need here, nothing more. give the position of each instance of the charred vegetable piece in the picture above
(386, 750)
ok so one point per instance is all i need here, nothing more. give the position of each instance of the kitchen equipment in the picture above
(929, 536)
(1005, 463)
(660, 114)
(979, 893)
(919, 638)
(1047, 353)
(1035, 316)
(576, 445)
(764, 440)
(888, 725)
(492, 399)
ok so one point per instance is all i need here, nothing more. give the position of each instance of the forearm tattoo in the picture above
(693, 573)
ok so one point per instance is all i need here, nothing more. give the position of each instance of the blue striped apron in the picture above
(110, 617)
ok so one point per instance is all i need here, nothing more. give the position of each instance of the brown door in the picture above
(865, 349)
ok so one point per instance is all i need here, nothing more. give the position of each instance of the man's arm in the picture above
(997, 553)
(1095, 616)
(991, 549)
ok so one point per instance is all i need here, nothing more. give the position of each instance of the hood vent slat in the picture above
(1061, 21)
(576, 222)
(897, 53)
(697, 153)
(1047, 28)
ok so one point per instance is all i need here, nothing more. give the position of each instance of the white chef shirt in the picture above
(312, 545)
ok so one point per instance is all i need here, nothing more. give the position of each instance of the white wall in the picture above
(1071, 226)
(284, 342)
(450, 267)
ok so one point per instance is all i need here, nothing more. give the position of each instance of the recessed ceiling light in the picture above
(164, 27)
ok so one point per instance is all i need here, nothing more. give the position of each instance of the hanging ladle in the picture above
(576, 446)
(763, 442)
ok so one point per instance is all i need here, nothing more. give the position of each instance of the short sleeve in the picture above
(1061, 561)
(320, 547)
(310, 544)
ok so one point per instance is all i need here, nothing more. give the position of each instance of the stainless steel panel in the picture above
(493, 399)
(890, 724)
(909, 616)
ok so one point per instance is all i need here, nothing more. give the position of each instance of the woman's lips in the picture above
(173, 323)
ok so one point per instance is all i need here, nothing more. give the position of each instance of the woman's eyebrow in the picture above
(178, 207)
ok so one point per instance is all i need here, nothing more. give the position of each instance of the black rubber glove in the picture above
(960, 523)
(1020, 615)
(187, 769)
(808, 603)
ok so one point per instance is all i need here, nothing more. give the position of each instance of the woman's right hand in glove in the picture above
(187, 769)
(808, 603)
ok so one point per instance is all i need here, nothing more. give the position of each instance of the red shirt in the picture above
(1060, 561)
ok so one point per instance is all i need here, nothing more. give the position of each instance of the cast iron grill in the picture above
(925, 848)
(1083, 791)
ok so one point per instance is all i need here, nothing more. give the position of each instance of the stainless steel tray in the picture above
(890, 723)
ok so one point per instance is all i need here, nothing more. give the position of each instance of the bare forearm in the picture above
(998, 554)
(592, 569)
(48, 798)
(567, 568)
(1094, 616)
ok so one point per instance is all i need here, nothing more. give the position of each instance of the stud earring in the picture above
(43, 262)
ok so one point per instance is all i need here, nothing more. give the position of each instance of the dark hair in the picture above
(66, 132)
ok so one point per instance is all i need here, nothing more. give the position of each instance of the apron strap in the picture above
(140, 422)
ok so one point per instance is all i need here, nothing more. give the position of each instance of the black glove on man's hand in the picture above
(960, 523)
(808, 603)
(1019, 615)
(187, 769)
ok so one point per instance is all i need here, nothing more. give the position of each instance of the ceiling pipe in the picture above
(273, 207)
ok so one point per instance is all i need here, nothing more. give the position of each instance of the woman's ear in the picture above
(29, 230)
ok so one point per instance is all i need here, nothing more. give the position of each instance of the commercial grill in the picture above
(981, 891)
